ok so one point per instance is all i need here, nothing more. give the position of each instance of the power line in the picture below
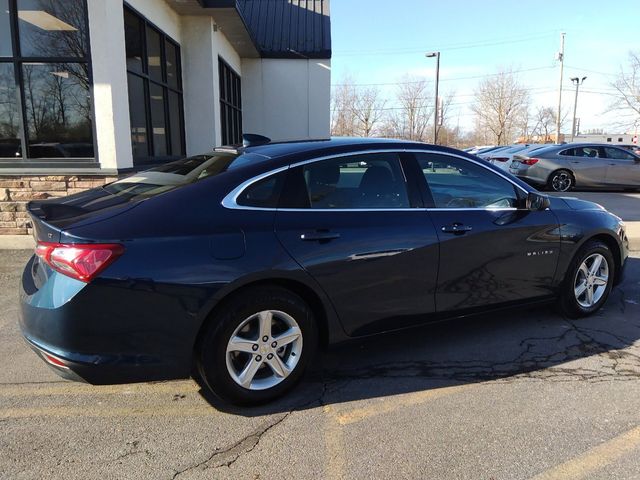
(441, 80)
(459, 46)
(593, 71)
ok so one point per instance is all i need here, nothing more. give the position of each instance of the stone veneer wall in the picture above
(17, 191)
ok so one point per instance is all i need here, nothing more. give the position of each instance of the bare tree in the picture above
(369, 109)
(501, 105)
(343, 119)
(415, 109)
(544, 125)
(627, 85)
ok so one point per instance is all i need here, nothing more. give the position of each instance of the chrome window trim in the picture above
(230, 200)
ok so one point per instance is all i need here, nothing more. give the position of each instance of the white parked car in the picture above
(503, 158)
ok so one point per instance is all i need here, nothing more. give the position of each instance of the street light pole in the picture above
(435, 114)
(577, 82)
(561, 58)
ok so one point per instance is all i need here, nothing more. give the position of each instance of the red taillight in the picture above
(529, 161)
(500, 159)
(80, 261)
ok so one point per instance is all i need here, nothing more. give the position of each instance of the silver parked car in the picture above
(583, 165)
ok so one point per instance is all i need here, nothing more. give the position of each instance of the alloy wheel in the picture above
(264, 349)
(591, 280)
(561, 182)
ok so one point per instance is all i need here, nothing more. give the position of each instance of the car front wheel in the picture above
(258, 346)
(589, 280)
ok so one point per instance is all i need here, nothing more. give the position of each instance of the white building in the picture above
(615, 138)
(92, 89)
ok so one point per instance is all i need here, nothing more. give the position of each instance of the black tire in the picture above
(569, 304)
(561, 181)
(211, 355)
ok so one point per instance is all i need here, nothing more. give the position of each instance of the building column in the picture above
(111, 100)
(200, 84)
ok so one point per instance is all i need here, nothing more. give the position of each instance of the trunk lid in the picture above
(51, 217)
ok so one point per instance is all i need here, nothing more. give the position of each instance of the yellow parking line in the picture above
(72, 388)
(102, 411)
(595, 458)
(389, 404)
(334, 441)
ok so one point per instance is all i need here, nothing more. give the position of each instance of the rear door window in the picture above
(589, 152)
(264, 193)
(369, 181)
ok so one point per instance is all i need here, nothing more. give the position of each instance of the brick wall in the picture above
(17, 191)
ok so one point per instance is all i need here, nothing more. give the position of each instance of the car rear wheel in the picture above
(561, 181)
(258, 346)
(589, 280)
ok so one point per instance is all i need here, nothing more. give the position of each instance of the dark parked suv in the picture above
(235, 265)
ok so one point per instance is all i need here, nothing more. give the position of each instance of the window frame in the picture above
(148, 79)
(18, 60)
(419, 195)
(232, 106)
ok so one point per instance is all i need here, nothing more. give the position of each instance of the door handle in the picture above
(319, 236)
(457, 229)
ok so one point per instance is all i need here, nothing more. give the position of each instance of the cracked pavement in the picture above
(519, 394)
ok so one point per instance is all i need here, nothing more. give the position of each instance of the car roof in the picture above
(278, 149)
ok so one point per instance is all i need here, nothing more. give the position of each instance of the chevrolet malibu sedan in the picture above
(234, 266)
(563, 167)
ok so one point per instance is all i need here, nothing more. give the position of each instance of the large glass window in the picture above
(155, 92)
(45, 83)
(52, 28)
(10, 145)
(5, 30)
(230, 104)
(458, 183)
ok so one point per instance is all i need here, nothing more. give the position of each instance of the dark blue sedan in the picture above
(236, 265)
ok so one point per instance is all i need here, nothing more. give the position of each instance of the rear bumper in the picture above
(531, 175)
(99, 370)
(106, 332)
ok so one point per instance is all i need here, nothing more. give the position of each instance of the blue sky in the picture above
(376, 41)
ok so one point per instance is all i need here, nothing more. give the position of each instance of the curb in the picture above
(633, 234)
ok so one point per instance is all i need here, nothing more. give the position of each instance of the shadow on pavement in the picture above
(537, 344)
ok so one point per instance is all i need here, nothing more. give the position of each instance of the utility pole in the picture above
(577, 82)
(561, 58)
(435, 114)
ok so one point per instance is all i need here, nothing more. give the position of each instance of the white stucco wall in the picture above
(202, 44)
(111, 103)
(282, 99)
(286, 99)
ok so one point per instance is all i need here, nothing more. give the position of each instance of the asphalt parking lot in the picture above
(524, 394)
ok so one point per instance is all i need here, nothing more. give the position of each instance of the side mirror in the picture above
(537, 201)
